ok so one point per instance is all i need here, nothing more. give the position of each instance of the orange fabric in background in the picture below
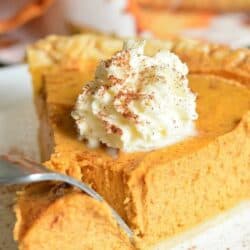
(25, 14)
(166, 23)
(212, 5)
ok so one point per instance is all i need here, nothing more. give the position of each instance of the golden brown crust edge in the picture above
(201, 57)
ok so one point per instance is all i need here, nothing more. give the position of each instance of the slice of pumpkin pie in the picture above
(160, 129)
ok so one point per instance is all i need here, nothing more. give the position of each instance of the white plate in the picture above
(18, 132)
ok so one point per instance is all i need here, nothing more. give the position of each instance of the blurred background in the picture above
(24, 21)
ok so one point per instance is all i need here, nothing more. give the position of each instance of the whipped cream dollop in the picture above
(137, 102)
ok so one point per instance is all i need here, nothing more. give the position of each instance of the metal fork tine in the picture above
(17, 170)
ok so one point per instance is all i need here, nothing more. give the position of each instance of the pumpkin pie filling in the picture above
(165, 191)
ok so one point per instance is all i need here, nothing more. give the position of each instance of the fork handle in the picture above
(17, 170)
(13, 166)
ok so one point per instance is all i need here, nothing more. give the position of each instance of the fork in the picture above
(15, 169)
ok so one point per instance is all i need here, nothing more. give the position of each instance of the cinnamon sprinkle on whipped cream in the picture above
(137, 102)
